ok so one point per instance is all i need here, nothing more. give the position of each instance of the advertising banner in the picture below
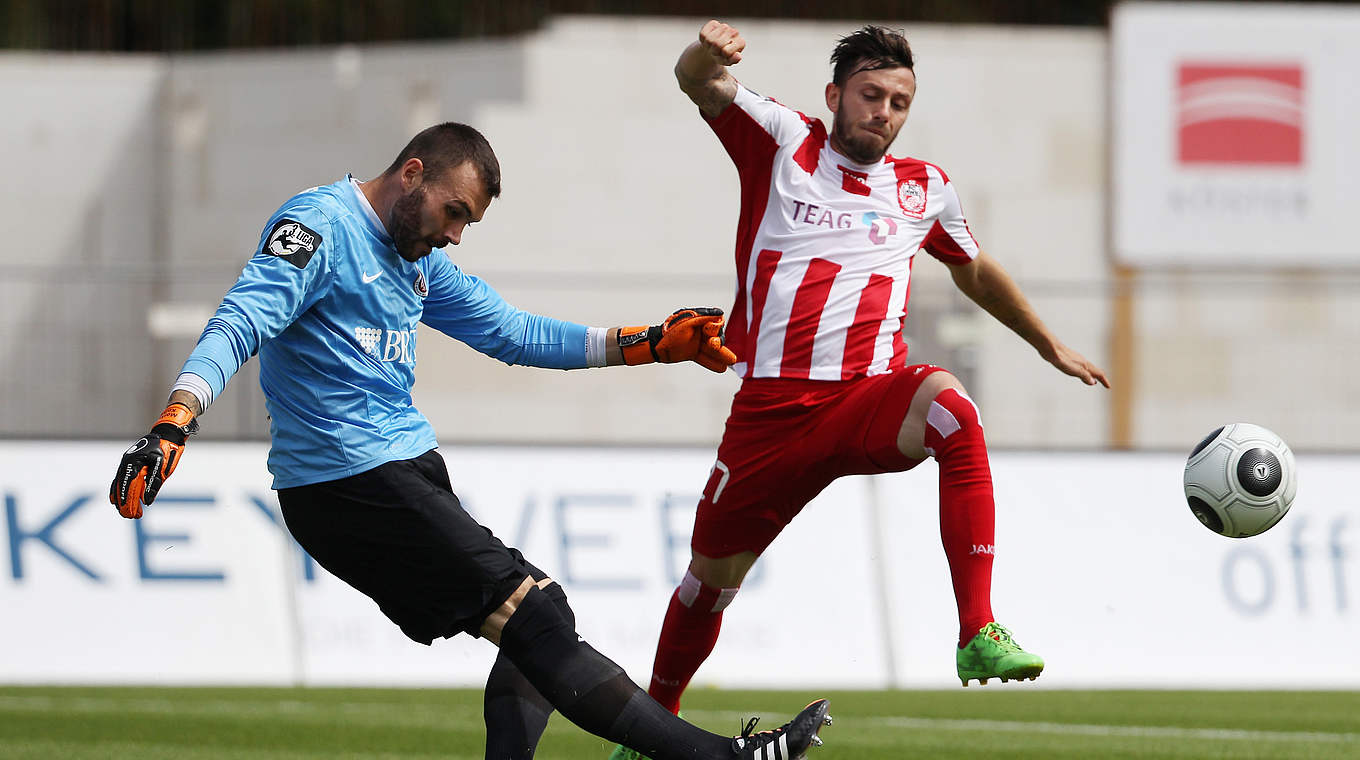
(1233, 131)
(1099, 567)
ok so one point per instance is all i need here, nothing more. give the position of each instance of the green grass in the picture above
(369, 724)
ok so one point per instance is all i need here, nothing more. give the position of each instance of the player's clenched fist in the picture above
(722, 42)
(149, 461)
(691, 334)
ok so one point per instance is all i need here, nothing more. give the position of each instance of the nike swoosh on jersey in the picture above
(371, 277)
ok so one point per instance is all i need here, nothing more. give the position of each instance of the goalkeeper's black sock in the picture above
(515, 712)
(592, 691)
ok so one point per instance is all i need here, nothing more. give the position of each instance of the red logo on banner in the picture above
(1229, 114)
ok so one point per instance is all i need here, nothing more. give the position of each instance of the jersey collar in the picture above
(841, 158)
(374, 223)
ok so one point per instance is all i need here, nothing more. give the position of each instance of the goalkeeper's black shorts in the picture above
(398, 534)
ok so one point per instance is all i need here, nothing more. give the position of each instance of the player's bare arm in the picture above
(986, 282)
(188, 399)
(702, 68)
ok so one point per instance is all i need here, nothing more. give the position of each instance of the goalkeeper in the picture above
(330, 302)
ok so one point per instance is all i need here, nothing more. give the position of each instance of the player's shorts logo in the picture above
(912, 198)
(421, 288)
(293, 242)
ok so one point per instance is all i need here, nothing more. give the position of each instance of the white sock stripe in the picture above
(689, 589)
(724, 598)
(943, 420)
(976, 412)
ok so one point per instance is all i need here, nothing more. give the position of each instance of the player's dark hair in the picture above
(869, 48)
(448, 145)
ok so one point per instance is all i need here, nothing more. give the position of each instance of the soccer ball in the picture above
(1240, 480)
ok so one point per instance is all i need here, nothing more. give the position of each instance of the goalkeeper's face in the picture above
(435, 211)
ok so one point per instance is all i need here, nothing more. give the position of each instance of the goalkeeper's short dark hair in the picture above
(869, 48)
(445, 146)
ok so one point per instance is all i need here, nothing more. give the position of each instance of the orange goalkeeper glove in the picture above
(691, 334)
(150, 461)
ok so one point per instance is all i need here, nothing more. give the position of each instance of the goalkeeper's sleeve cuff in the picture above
(188, 381)
(595, 346)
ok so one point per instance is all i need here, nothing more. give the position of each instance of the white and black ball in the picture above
(1240, 480)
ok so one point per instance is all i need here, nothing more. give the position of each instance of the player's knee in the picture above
(952, 416)
(695, 594)
(558, 596)
(513, 593)
(537, 615)
(547, 649)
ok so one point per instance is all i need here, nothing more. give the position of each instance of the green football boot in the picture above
(623, 753)
(994, 654)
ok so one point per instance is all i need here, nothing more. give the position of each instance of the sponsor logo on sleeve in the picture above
(293, 242)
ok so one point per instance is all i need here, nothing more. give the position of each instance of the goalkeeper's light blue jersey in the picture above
(332, 310)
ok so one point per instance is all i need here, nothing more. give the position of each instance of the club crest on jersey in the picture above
(293, 242)
(421, 288)
(912, 198)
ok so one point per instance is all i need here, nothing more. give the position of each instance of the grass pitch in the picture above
(373, 724)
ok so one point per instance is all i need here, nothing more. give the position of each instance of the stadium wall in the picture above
(147, 180)
(81, 215)
(1100, 567)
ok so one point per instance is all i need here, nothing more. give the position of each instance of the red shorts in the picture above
(786, 440)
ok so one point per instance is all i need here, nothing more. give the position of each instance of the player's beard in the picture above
(404, 224)
(860, 148)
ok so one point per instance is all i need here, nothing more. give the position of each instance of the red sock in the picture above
(687, 638)
(967, 511)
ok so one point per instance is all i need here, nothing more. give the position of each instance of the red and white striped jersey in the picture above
(825, 246)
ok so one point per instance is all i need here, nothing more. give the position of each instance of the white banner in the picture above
(1234, 134)
(1100, 567)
